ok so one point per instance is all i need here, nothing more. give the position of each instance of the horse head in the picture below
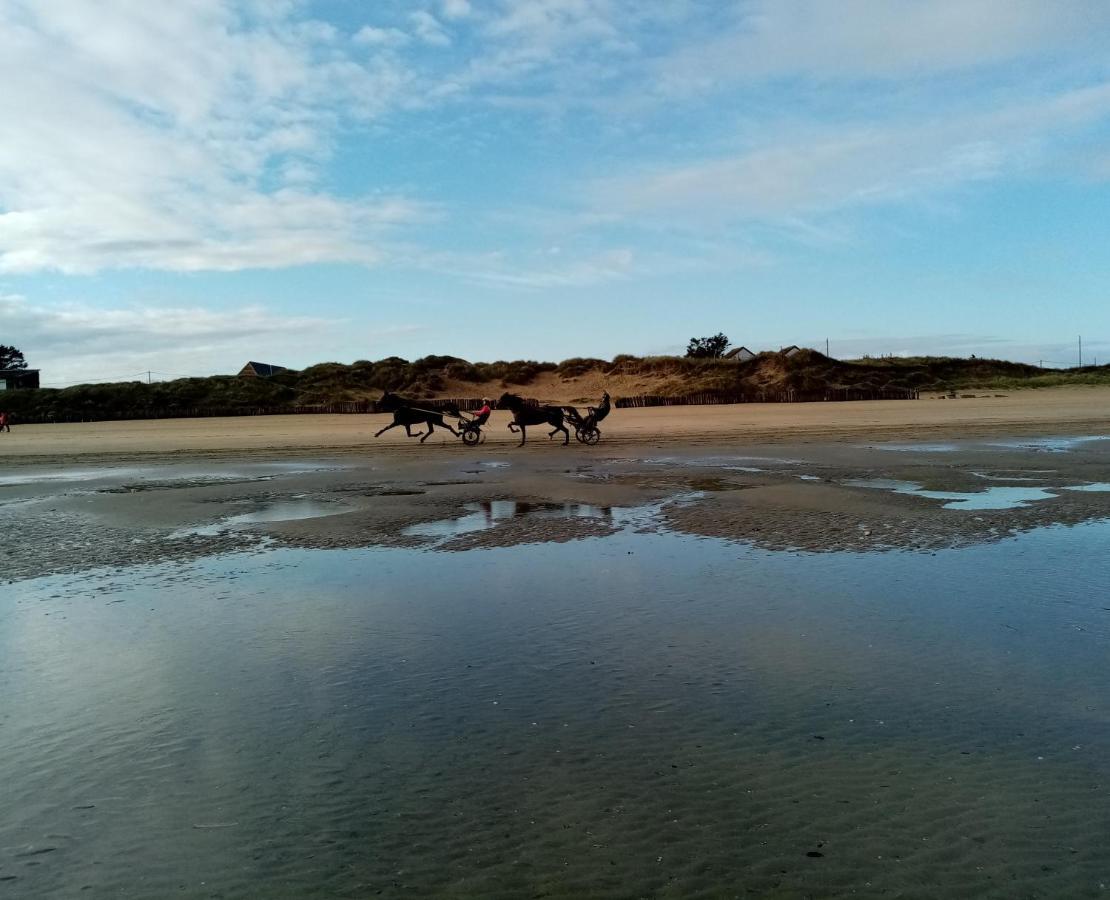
(510, 401)
(389, 402)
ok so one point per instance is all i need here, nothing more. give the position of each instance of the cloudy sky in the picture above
(185, 186)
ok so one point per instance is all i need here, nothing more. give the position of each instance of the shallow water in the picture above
(642, 714)
(988, 498)
(1052, 444)
(67, 475)
(488, 514)
(293, 510)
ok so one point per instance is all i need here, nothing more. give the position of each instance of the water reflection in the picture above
(489, 513)
(639, 715)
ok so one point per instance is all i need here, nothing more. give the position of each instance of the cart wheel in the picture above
(471, 436)
(590, 436)
(580, 435)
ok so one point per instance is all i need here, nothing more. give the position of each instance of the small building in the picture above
(16, 379)
(740, 354)
(260, 370)
(792, 350)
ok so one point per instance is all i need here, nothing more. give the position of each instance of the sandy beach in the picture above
(797, 476)
(773, 647)
(1049, 411)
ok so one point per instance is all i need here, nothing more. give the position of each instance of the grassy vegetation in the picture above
(332, 383)
(956, 373)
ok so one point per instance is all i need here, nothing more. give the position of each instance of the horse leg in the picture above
(431, 428)
(566, 434)
(387, 427)
(443, 424)
(523, 436)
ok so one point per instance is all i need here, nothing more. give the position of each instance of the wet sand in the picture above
(801, 496)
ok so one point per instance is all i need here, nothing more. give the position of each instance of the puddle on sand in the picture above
(489, 513)
(1000, 476)
(285, 511)
(907, 448)
(67, 475)
(732, 463)
(991, 498)
(261, 471)
(1096, 487)
(1051, 444)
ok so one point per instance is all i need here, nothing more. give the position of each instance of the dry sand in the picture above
(1048, 411)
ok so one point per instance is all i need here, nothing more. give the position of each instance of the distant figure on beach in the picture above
(4, 426)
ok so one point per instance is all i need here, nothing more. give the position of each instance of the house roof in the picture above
(736, 351)
(264, 368)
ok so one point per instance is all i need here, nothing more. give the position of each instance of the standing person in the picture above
(4, 426)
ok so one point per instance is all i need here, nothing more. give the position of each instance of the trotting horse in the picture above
(406, 415)
(525, 414)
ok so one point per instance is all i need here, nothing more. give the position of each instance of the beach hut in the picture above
(260, 370)
(792, 350)
(740, 354)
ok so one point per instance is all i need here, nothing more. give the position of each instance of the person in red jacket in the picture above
(483, 414)
(4, 426)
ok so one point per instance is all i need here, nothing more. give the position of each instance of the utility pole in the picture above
(148, 377)
(826, 346)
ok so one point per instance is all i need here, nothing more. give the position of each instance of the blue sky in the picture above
(187, 186)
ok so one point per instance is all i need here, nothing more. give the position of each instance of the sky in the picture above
(187, 186)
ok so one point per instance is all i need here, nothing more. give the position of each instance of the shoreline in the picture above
(801, 495)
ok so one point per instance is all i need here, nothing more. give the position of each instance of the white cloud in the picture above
(456, 9)
(803, 171)
(181, 137)
(77, 341)
(370, 36)
(895, 38)
(543, 269)
(428, 28)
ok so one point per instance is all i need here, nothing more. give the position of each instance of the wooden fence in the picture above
(711, 398)
(349, 407)
(354, 407)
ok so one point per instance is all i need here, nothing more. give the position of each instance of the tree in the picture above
(10, 358)
(707, 347)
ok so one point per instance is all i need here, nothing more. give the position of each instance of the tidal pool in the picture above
(988, 498)
(636, 715)
(293, 510)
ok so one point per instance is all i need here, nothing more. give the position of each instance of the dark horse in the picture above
(525, 414)
(406, 415)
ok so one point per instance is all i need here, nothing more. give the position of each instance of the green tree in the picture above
(11, 358)
(707, 347)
